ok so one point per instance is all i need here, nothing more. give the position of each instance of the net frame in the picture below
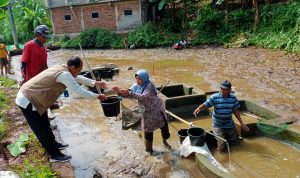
(268, 128)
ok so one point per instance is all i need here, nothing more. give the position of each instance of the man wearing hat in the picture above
(225, 103)
(34, 56)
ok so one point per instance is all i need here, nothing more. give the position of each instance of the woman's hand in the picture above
(124, 92)
(102, 97)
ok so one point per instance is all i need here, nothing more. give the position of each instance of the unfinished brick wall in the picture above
(111, 16)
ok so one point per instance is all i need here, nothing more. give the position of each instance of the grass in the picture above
(34, 163)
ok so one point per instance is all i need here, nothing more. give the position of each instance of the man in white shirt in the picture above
(40, 92)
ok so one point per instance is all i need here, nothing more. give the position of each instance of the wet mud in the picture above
(101, 148)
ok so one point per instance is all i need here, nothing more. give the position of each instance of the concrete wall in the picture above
(127, 22)
(111, 16)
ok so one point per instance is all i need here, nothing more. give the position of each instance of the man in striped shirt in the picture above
(225, 103)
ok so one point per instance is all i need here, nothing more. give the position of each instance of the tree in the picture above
(27, 15)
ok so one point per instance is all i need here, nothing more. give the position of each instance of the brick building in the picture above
(72, 16)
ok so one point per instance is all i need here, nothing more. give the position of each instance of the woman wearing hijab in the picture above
(154, 116)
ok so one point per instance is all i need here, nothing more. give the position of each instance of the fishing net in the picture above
(270, 128)
(131, 115)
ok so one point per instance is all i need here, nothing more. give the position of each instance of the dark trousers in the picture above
(40, 125)
(164, 133)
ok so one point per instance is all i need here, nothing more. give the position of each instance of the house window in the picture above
(128, 12)
(67, 17)
(95, 15)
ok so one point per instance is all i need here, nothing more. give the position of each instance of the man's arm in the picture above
(89, 82)
(23, 69)
(69, 81)
(200, 108)
(238, 116)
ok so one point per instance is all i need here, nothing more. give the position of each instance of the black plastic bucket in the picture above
(197, 136)
(182, 134)
(111, 106)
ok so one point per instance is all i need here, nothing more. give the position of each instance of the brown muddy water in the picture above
(99, 146)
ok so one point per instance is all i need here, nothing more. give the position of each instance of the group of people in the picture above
(41, 86)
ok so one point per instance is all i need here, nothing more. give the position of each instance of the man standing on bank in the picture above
(34, 56)
(225, 103)
(39, 93)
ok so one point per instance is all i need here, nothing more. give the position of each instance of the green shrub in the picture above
(104, 38)
(72, 43)
(144, 36)
(65, 38)
(87, 38)
(118, 43)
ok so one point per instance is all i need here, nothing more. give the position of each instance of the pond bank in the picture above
(99, 146)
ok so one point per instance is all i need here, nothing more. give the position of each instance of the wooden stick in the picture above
(164, 86)
(90, 70)
(192, 125)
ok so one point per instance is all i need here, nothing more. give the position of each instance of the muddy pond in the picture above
(99, 146)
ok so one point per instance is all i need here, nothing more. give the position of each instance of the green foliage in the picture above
(36, 170)
(3, 129)
(19, 146)
(27, 15)
(148, 36)
(144, 36)
(6, 82)
(212, 28)
(72, 43)
(104, 38)
(93, 38)
(117, 43)
(3, 101)
(279, 27)
(65, 38)
(87, 38)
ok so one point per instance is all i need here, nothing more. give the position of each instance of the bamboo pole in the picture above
(90, 70)
(192, 125)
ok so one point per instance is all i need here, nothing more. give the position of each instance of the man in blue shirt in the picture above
(225, 103)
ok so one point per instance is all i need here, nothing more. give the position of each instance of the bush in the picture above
(87, 38)
(65, 38)
(279, 27)
(118, 43)
(72, 43)
(104, 38)
(144, 36)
